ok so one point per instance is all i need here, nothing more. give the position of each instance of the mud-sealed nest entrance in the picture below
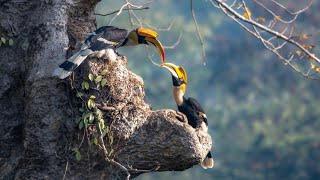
(109, 90)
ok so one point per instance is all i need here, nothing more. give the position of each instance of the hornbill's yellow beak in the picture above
(178, 73)
(150, 38)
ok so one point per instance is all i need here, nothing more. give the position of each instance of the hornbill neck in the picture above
(178, 95)
(129, 42)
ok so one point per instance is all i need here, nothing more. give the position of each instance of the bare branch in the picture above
(129, 5)
(137, 19)
(198, 32)
(129, 14)
(65, 171)
(98, 14)
(175, 44)
(105, 151)
(293, 13)
(159, 29)
(278, 17)
(263, 32)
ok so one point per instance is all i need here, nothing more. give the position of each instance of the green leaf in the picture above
(91, 118)
(95, 141)
(105, 131)
(101, 125)
(81, 125)
(77, 120)
(104, 72)
(81, 109)
(3, 40)
(78, 155)
(86, 116)
(10, 42)
(85, 85)
(90, 76)
(99, 113)
(85, 122)
(98, 79)
(79, 94)
(103, 82)
(92, 97)
(91, 104)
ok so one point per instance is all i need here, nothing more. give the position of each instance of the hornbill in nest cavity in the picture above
(104, 42)
(188, 106)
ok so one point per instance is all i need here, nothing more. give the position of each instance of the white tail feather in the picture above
(77, 58)
(207, 163)
(61, 73)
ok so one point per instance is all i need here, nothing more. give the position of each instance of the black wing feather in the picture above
(115, 34)
(196, 106)
(109, 33)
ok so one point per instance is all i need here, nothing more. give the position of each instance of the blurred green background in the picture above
(264, 118)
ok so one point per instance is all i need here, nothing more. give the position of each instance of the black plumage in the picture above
(190, 107)
(194, 112)
(105, 37)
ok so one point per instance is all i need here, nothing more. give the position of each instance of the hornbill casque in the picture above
(190, 107)
(104, 42)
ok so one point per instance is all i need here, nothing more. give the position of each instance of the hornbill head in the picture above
(179, 75)
(148, 37)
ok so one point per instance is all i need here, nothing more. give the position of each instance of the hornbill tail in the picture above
(208, 161)
(66, 68)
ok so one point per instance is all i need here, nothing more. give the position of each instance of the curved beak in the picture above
(157, 44)
(176, 71)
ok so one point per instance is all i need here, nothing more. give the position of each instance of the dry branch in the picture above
(282, 44)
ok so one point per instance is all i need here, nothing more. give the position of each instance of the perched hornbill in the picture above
(190, 107)
(104, 42)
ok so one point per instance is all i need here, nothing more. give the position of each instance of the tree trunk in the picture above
(38, 134)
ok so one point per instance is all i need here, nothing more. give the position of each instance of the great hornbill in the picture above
(190, 107)
(104, 42)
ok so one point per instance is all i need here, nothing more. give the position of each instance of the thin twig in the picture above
(145, 171)
(134, 9)
(198, 32)
(65, 171)
(286, 62)
(290, 12)
(105, 151)
(129, 14)
(295, 16)
(126, 5)
(137, 19)
(271, 31)
(160, 29)
(175, 44)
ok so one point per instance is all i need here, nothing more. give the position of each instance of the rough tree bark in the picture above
(37, 111)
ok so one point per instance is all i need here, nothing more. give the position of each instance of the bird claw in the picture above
(181, 117)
